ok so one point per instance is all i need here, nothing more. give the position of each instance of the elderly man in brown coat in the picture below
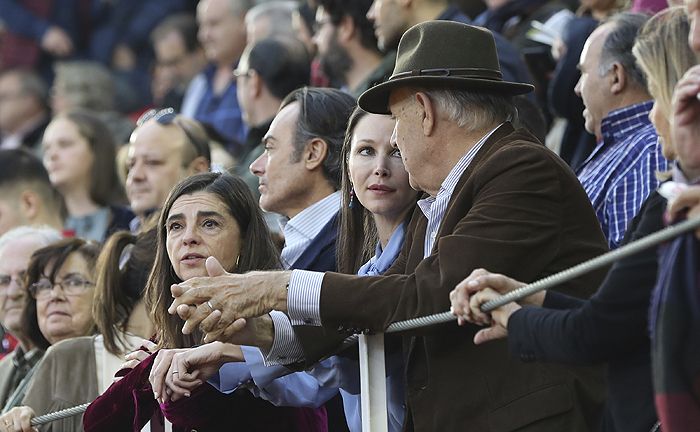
(494, 198)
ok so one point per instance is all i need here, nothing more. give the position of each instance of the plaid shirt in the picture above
(620, 173)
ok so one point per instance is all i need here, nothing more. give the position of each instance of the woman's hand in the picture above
(188, 369)
(133, 358)
(18, 420)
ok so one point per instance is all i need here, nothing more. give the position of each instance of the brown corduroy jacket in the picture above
(517, 210)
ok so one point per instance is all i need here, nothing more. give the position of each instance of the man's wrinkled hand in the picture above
(220, 303)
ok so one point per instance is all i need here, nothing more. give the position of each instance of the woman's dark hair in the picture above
(52, 258)
(105, 188)
(357, 234)
(257, 250)
(122, 271)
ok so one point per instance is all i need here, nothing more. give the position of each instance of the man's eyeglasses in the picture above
(238, 73)
(71, 286)
(6, 280)
(168, 116)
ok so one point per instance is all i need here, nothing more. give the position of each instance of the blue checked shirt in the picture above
(304, 295)
(621, 171)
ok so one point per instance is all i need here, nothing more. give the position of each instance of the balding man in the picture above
(164, 149)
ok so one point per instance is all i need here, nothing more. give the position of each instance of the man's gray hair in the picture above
(44, 234)
(241, 7)
(279, 13)
(472, 110)
(617, 47)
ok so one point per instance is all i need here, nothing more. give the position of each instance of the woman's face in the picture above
(376, 169)
(65, 311)
(68, 157)
(198, 226)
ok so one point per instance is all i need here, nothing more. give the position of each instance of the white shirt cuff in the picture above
(286, 348)
(304, 297)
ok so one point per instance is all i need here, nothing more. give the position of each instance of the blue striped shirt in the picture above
(621, 171)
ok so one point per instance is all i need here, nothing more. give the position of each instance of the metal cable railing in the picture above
(606, 259)
(632, 248)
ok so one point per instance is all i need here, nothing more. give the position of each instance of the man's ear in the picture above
(618, 78)
(315, 154)
(428, 113)
(29, 205)
(346, 29)
(199, 165)
(256, 83)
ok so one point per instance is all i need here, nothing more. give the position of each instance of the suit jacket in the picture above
(611, 327)
(320, 254)
(518, 210)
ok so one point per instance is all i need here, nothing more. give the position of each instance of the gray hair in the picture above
(279, 13)
(617, 47)
(472, 110)
(43, 233)
(87, 84)
(241, 7)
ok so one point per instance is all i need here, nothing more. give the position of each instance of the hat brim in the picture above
(376, 99)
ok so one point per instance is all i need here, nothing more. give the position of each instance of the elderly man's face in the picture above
(14, 259)
(409, 139)
(592, 87)
(173, 59)
(221, 32)
(16, 105)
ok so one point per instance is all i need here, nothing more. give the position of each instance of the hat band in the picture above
(478, 73)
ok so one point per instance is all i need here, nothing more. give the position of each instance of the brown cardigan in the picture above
(517, 210)
(66, 377)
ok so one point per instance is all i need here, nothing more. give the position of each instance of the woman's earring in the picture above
(352, 197)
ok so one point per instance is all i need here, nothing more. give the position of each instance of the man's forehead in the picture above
(285, 117)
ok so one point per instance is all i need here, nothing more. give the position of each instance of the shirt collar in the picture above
(618, 123)
(450, 183)
(310, 221)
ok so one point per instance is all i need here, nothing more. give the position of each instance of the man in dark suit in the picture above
(23, 109)
(495, 198)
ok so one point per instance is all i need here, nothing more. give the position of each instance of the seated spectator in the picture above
(79, 155)
(621, 171)
(269, 70)
(61, 280)
(118, 314)
(24, 112)
(209, 223)
(26, 194)
(89, 86)
(213, 96)
(612, 326)
(16, 248)
(347, 46)
(179, 58)
(164, 149)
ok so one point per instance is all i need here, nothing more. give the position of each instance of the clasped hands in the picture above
(478, 288)
(231, 307)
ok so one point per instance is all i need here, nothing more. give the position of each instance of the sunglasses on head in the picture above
(168, 116)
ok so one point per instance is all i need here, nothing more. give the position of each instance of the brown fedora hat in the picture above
(443, 54)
